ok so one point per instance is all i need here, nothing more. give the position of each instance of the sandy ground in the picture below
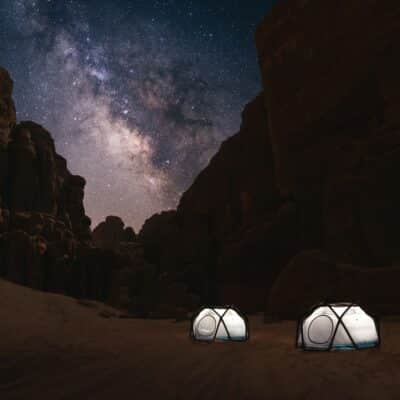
(51, 347)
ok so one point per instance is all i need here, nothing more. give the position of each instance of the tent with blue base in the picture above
(337, 326)
(225, 323)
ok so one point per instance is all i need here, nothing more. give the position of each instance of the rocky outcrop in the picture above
(312, 167)
(312, 277)
(160, 236)
(44, 225)
(110, 233)
(38, 180)
(238, 185)
(216, 239)
(7, 121)
(138, 284)
(44, 232)
(7, 108)
(333, 103)
(45, 237)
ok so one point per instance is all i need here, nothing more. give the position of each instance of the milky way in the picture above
(138, 95)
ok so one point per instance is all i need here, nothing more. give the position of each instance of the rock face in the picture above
(313, 166)
(138, 285)
(333, 102)
(312, 277)
(7, 121)
(216, 238)
(45, 238)
(299, 206)
(7, 108)
(110, 233)
(238, 185)
(38, 180)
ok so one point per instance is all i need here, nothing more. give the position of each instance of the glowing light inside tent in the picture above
(337, 327)
(222, 323)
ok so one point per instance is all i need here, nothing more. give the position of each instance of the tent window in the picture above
(320, 329)
(207, 326)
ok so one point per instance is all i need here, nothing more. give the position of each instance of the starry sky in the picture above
(137, 94)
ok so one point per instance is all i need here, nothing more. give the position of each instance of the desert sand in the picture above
(54, 347)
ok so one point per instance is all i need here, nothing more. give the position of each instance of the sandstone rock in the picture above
(309, 278)
(38, 180)
(91, 273)
(240, 178)
(129, 235)
(44, 232)
(158, 234)
(333, 121)
(3, 170)
(23, 180)
(313, 166)
(72, 204)
(4, 220)
(312, 277)
(248, 264)
(22, 258)
(110, 233)
(7, 108)
(220, 226)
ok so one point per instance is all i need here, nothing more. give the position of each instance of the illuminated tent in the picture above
(337, 326)
(219, 323)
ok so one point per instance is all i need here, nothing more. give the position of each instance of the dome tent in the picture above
(337, 326)
(225, 323)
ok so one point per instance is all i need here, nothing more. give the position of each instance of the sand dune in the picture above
(51, 347)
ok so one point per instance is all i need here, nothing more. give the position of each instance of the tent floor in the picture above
(51, 347)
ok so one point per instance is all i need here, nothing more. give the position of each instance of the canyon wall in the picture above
(45, 238)
(330, 72)
(310, 176)
(232, 231)
(299, 206)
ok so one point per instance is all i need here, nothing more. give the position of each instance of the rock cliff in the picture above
(332, 93)
(111, 232)
(333, 103)
(300, 205)
(313, 168)
(45, 238)
(7, 108)
(232, 230)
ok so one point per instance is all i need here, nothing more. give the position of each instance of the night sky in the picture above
(137, 94)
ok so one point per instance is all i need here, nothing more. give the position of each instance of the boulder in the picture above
(309, 278)
(312, 277)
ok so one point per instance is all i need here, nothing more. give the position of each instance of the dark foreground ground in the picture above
(52, 347)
